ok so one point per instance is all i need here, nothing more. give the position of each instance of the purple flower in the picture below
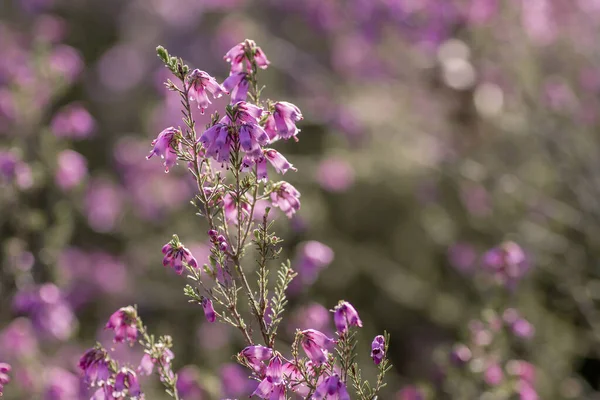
(410, 393)
(316, 345)
(124, 323)
(287, 198)
(252, 137)
(272, 386)
(237, 85)
(507, 262)
(344, 316)
(312, 257)
(335, 175)
(146, 365)
(248, 113)
(255, 355)
(217, 142)
(62, 385)
(126, 383)
(72, 168)
(177, 256)
(378, 349)
(209, 311)
(278, 161)
(73, 121)
(493, 374)
(188, 383)
(12, 169)
(4, 378)
(104, 393)
(200, 83)
(95, 366)
(163, 146)
(286, 115)
(460, 354)
(331, 388)
(237, 56)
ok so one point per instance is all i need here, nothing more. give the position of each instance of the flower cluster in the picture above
(229, 161)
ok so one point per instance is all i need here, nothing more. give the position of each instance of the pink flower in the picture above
(95, 366)
(493, 374)
(177, 256)
(345, 315)
(4, 378)
(286, 115)
(248, 113)
(230, 207)
(73, 121)
(209, 311)
(287, 198)
(331, 388)
(163, 146)
(278, 161)
(252, 137)
(126, 382)
(238, 57)
(272, 386)
(72, 169)
(237, 85)
(378, 349)
(316, 345)
(255, 355)
(217, 141)
(200, 83)
(124, 323)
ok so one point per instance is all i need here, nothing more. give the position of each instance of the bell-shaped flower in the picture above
(177, 257)
(255, 355)
(95, 366)
(287, 198)
(163, 146)
(209, 310)
(278, 161)
(126, 383)
(247, 112)
(4, 378)
(200, 84)
(331, 388)
(378, 349)
(237, 56)
(252, 137)
(285, 116)
(124, 323)
(316, 345)
(272, 387)
(237, 84)
(217, 141)
(345, 315)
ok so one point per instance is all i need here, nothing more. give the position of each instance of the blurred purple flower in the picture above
(313, 316)
(72, 169)
(126, 382)
(493, 374)
(12, 169)
(209, 311)
(61, 385)
(18, 339)
(67, 62)
(188, 383)
(103, 204)
(462, 256)
(235, 381)
(410, 393)
(95, 366)
(335, 175)
(311, 258)
(73, 121)
(507, 262)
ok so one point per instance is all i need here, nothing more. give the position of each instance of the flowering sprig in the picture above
(229, 162)
(4, 378)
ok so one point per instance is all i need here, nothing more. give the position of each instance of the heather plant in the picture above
(230, 163)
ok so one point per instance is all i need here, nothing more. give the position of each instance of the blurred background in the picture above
(433, 131)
